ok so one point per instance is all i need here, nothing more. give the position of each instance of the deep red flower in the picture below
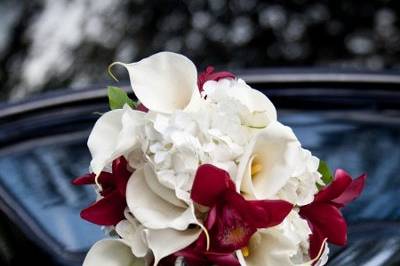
(142, 108)
(232, 220)
(209, 74)
(324, 215)
(110, 209)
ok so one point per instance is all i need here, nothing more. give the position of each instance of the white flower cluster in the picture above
(229, 125)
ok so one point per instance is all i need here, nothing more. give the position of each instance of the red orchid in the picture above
(232, 220)
(110, 209)
(323, 214)
(197, 255)
(209, 74)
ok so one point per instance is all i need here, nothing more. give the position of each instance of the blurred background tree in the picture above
(52, 44)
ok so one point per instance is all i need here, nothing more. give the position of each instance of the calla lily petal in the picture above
(164, 82)
(165, 242)
(153, 211)
(274, 149)
(133, 234)
(114, 133)
(111, 252)
(162, 191)
(103, 139)
(268, 247)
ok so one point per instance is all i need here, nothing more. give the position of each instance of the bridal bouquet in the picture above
(200, 172)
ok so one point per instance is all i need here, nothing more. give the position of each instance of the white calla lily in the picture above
(165, 242)
(141, 239)
(112, 252)
(268, 162)
(283, 245)
(114, 134)
(164, 82)
(133, 234)
(268, 247)
(154, 206)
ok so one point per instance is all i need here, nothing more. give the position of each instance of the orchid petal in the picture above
(336, 188)
(121, 174)
(267, 213)
(223, 259)
(352, 191)
(275, 148)
(84, 180)
(209, 184)
(164, 82)
(328, 220)
(107, 211)
(153, 211)
(111, 252)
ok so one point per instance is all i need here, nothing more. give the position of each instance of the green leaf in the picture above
(326, 172)
(117, 98)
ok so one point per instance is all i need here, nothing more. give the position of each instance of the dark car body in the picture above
(350, 119)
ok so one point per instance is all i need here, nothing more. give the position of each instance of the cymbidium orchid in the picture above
(109, 210)
(232, 220)
(210, 74)
(323, 214)
(203, 172)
